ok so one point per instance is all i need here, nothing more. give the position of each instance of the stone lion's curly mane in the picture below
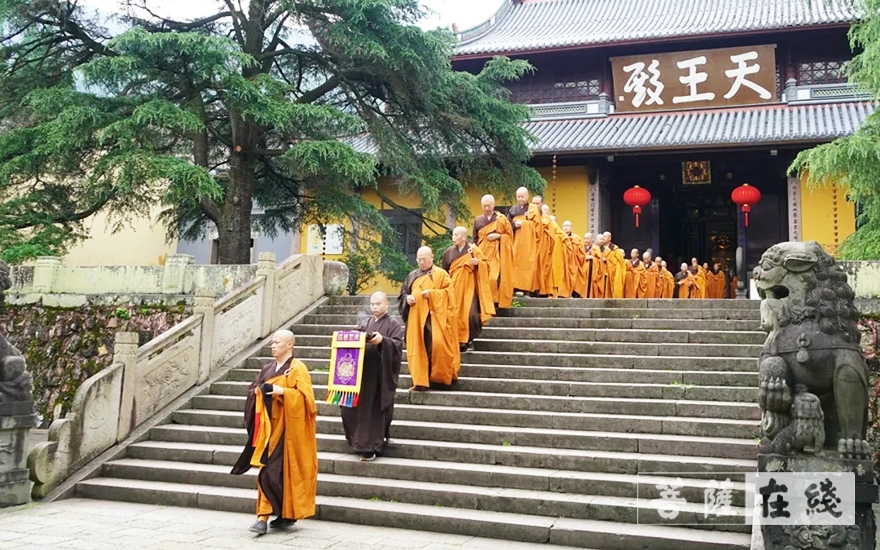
(829, 298)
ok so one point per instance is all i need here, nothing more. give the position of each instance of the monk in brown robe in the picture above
(734, 283)
(595, 268)
(469, 270)
(614, 264)
(652, 276)
(684, 281)
(526, 222)
(698, 290)
(557, 262)
(279, 416)
(494, 235)
(367, 427)
(669, 280)
(427, 305)
(543, 283)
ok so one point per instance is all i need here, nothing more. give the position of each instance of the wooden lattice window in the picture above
(821, 72)
(532, 91)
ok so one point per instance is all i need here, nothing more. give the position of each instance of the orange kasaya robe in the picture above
(499, 255)
(734, 282)
(698, 290)
(685, 284)
(667, 282)
(443, 365)
(710, 285)
(525, 247)
(652, 287)
(615, 271)
(543, 281)
(720, 284)
(579, 267)
(281, 431)
(560, 288)
(570, 269)
(470, 282)
(597, 272)
(639, 278)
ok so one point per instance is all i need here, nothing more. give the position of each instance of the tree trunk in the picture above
(234, 229)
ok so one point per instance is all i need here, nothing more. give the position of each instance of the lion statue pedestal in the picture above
(813, 389)
(16, 417)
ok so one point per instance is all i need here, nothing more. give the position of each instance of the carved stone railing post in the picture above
(44, 273)
(174, 276)
(266, 268)
(204, 306)
(125, 353)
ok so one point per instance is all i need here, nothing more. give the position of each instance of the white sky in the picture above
(465, 13)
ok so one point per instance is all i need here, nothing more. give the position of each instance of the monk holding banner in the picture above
(427, 305)
(494, 235)
(469, 271)
(279, 416)
(543, 283)
(526, 222)
(367, 426)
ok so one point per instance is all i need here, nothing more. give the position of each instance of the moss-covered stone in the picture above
(64, 347)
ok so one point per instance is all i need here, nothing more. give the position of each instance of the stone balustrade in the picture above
(141, 382)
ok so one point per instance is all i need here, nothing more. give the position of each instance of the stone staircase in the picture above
(567, 416)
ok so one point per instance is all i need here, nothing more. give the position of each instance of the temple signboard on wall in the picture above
(695, 79)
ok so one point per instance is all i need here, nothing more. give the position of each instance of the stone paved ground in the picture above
(96, 525)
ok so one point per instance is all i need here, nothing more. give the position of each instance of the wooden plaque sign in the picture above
(697, 79)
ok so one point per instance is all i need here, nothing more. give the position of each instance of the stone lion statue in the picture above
(15, 380)
(813, 379)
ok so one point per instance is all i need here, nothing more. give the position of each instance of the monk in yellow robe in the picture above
(652, 275)
(469, 270)
(720, 281)
(543, 282)
(615, 261)
(669, 279)
(698, 291)
(684, 282)
(629, 282)
(595, 268)
(560, 288)
(279, 416)
(575, 273)
(494, 235)
(710, 282)
(526, 222)
(427, 305)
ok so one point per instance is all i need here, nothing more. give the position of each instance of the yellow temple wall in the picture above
(826, 215)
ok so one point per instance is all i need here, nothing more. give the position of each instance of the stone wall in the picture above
(864, 278)
(65, 346)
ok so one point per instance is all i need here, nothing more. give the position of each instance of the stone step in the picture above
(587, 303)
(519, 527)
(709, 427)
(605, 441)
(435, 493)
(540, 374)
(629, 313)
(544, 403)
(563, 388)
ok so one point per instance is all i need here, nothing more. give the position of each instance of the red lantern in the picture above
(745, 196)
(637, 197)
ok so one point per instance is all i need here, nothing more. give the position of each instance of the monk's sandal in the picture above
(281, 523)
(260, 527)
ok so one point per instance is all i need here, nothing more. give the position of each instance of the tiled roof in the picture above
(620, 133)
(695, 129)
(534, 25)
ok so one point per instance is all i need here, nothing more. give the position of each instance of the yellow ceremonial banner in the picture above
(346, 367)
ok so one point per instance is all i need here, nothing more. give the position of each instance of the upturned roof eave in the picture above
(648, 41)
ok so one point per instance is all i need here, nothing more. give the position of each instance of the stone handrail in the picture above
(110, 405)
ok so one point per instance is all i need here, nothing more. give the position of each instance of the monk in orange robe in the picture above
(630, 284)
(560, 289)
(494, 235)
(698, 291)
(526, 222)
(279, 415)
(720, 281)
(710, 282)
(575, 271)
(543, 283)
(427, 305)
(652, 276)
(667, 281)
(614, 263)
(734, 283)
(469, 270)
(595, 268)
(684, 282)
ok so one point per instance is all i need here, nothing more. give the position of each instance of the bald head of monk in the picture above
(538, 201)
(663, 264)
(522, 196)
(459, 237)
(488, 205)
(379, 304)
(545, 209)
(425, 258)
(607, 237)
(281, 346)
(684, 267)
(658, 261)
(566, 226)
(600, 239)
(634, 254)
(646, 257)
(588, 239)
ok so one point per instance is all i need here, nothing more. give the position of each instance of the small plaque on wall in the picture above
(696, 172)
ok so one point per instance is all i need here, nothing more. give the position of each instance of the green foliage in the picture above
(854, 161)
(258, 107)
